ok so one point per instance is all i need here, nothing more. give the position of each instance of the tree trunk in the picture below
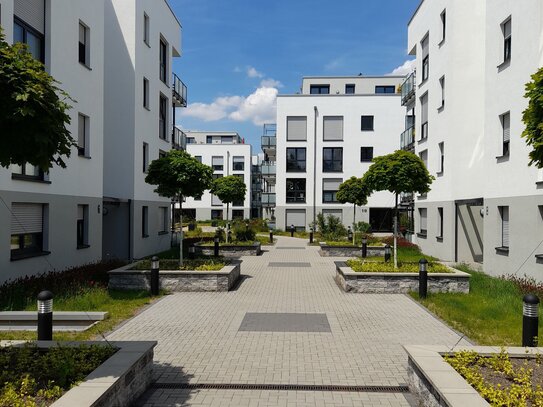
(396, 233)
(227, 208)
(354, 225)
(181, 232)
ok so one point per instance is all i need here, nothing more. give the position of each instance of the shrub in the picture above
(527, 285)
(401, 242)
(362, 227)
(244, 234)
(403, 267)
(330, 227)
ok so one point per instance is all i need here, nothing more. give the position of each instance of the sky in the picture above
(237, 55)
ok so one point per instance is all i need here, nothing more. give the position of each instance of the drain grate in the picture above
(284, 387)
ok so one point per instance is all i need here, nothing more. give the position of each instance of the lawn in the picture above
(405, 255)
(491, 314)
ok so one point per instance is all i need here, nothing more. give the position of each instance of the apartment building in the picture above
(227, 154)
(473, 60)
(325, 135)
(61, 219)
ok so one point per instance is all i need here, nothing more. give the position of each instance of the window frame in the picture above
(297, 195)
(29, 29)
(364, 157)
(82, 235)
(84, 47)
(242, 162)
(163, 60)
(297, 160)
(443, 17)
(144, 222)
(334, 150)
(145, 152)
(320, 88)
(349, 87)
(506, 141)
(440, 223)
(146, 29)
(507, 39)
(37, 239)
(505, 239)
(82, 151)
(146, 85)
(329, 192)
(362, 128)
(385, 89)
(163, 117)
(423, 232)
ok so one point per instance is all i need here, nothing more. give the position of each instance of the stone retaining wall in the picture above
(350, 251)
(229, 250)
(399, 283)
(176, 280)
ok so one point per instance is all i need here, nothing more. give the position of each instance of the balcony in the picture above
(268, 199)
(179, 92)
(269, 141)
(268, 169)
(406, 199)
(179, 139)
(408, 89)
(407, 139)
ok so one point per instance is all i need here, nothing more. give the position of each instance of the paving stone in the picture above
(284, 322)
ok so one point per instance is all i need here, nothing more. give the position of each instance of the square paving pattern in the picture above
(288, 264)
(200, 341)
(284, 322)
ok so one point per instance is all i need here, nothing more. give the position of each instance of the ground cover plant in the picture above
(200, 264)
(491, 314)
(37, 377)
(369, 266)
(501, 380)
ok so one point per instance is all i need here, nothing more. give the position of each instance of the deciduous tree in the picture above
(353, 191)
(533, 118)
(229, 189)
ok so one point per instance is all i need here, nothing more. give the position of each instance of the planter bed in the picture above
(62, 320)
(226, 250)
(119, 381)
(349, 250)
(398, 283)
(436, 383)
(127, 278)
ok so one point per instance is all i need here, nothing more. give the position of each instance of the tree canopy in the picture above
(179, 174)
(401, 171)
(533, 118)
(353, 191)
(229, 189)
(33, 111)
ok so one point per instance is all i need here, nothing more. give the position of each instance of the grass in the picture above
(300, 235)
(365, 266)
(491, 314)
(265, 240)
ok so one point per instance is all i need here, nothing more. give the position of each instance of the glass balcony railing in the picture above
(407, 197)
(268, 199)
(269, 142)
(408, 88)
(179, 139)
(179, 92)
(269, 169)
(407, 139)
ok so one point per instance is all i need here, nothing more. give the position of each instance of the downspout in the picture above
(315, 167)
(130, 237)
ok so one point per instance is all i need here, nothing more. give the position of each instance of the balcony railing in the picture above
(268, 199)
(407, 139)
(408, 89)
(179, 139)
(407, 197)
(269, 169)
(179, 92)
(269, 142)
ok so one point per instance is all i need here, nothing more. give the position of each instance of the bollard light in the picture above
(271, 236)
(387, 253)
(216, 246)
(45, 316)
(291, 230)
(310, 235)
(423, 278)
(349, 234)
(364, 247)
(247, 226)
(530, 320)
(192, 252)
(155, 265)
(229, 235)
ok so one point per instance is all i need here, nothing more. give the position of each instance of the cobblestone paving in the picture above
(199, 339)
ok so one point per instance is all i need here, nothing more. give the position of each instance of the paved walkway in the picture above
(200, 341)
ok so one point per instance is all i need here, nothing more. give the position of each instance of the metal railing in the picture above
(269, 142)
(179, 90)
(408, 88)
(268, 199)
(407, 197)
(268, 168)
(407, 139)
(179, 139)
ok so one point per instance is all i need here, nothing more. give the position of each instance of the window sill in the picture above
(297, 171)
(333, 171)
(82, 246)
(422, 235)
(502, 250)
(423, 82)
(367, 130)
(146, 43)
(439, 174)
(21, 177)
(422, 140)
(441, 43)
(439, 239)
(164, 232)
(502, 158)
(85, 66)
(366, 161)
(18, 257)
(504, 65)
(144, 236)
(87, 157)
(147, 108)
(331, 203)
(296, 203)
(441, 108)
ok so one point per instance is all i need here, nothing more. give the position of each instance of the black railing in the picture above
(179, 92)
(408, 88)
(179, 139)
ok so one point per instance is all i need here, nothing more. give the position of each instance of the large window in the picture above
(162, 220)
(28, 172)
(424, 116)
(366, 123)
(296, 128)
(144, 221)
(506, 30)
(82, 135)
(332, 159)
(216, 214)
(162, 117)
(425, 45)
(506, 133)
(366, 154)
(27, 230)
(146, 93)
(145, 157)
(82, 226)
(84, 44)
(296, 190)
(217, 162)
(423, 229)
(330, 186)
(238, 163)
(28, 35)
(296, 159)
(163, 60)
(146, 29)
(319, 89)
(333, 128)
(504, 217)
(385, 89)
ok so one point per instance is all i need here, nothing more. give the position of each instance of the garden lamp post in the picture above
(216, 246)
(423, 278)
(192, 251)
(310, 235)
(45, 316)
(349, 234)
(155, 265)
(271, 236)
(530, 320)
(292, 230)
(364, 247)
(387, 253)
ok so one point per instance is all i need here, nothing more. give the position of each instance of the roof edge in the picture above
(415, 13)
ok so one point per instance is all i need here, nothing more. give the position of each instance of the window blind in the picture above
(506, 123)
(26, 218)
(296, 217)
(423, 219)
(31, 12)
(333, 128)
(505, 226)
(296, 128)
(331, 184)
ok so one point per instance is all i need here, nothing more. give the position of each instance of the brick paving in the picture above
(199, 340)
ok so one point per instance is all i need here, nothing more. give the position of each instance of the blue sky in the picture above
(238, 54)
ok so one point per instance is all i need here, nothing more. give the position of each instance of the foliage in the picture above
(29, 373)
(202, 264)
(527, 285)
(520, 390)
(259, 225)
(179, 174)
(33, 111)
(401, 242)
(229, 189)
(533, 118)
(362, 227)
(330, 227)
(362, 266)
(353, 191)
(401, 171)
(242, 233)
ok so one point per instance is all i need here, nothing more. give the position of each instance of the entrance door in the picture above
(469, 230)
(381, 219)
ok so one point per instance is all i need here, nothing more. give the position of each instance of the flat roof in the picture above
(174, 16)
(341, 95)
(354, 77)
(415, 13)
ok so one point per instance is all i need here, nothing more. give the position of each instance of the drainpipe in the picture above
(130, 229)
(315, 167)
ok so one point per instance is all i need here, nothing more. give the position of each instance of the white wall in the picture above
(364, 85)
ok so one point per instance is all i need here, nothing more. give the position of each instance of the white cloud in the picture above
(253, 73)
(270, 83)
(259, 107)
(405, 69)
(214, 111)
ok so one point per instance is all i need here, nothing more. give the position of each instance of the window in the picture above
(366, 154)
(146, 26)
(296, 128)
(296, 159)
(425, 44)
(424, 116)
(504, 215)
(295, 190)
(216, 214)
(443, 25)
(146, 93)
(84, 44)
(385, 89)
(163, 60)
(319, 89)
(238, 214)
(238, 163)
(162, 220)
(333, 128)
(27, 230)
(28, 172)
(198, 158)
(145, 157)
(422, 222)
(227, 140)
(332, 159)
(506, 132)
(349, 89)
(424, 157)
(440, 223)
(441, 158)
(162, 154)
(82, 135)
(191, 140)
(29, 36)
(144, 221)
(82, 226)
(330, 186)
(162, 117)
(366, 123)
(442, 85)
(217, 162)
(506, 30)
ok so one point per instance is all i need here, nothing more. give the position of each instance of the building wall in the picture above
(364, 85)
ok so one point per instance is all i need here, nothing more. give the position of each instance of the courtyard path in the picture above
(250, 336)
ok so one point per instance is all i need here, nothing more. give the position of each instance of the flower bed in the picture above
(343, 249)
(361, 266)
(229, 250)
(383, 281)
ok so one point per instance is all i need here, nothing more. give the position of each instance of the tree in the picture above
(229, 189)
(179, 175)
(33, 111)
(399, 172)
(533, 118)
(353, 191)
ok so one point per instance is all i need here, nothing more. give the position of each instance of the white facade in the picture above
(486, 197)
(353, 128)
(225, 152)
